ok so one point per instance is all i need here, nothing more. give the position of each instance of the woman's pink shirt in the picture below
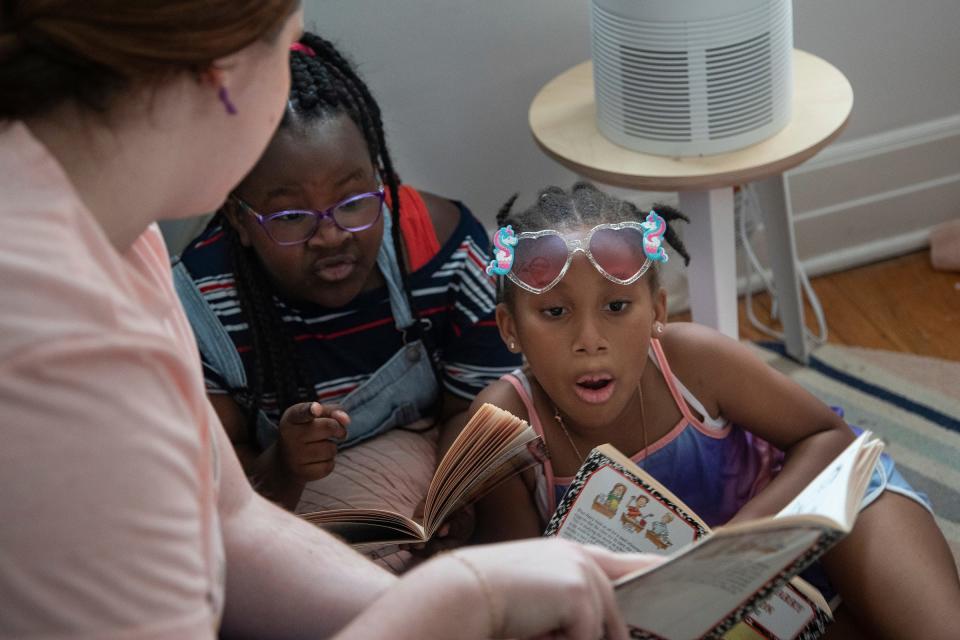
(108, 478)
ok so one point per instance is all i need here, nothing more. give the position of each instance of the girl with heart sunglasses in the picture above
(730, 436)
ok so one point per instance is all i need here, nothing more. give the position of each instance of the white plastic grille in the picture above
(683, 87)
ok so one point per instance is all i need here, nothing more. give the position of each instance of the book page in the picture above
(614, 512)
(835, 492)
(367, 527)
(712, 582)
(493, 445)
(523, 454)
(588, 515)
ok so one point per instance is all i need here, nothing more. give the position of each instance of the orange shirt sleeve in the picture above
(416, 227)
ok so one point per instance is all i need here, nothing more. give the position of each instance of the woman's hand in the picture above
(308, 435)
(540, 588)
(551, 588)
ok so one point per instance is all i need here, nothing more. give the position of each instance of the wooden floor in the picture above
(898, 305)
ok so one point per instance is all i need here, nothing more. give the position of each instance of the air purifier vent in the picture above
(692, 77)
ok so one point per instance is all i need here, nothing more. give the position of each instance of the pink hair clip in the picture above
(304, 49)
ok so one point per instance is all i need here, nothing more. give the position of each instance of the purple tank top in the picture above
(714, 476)
(714, 469)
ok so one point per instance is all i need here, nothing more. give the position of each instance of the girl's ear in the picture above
(659, 312)
(232, 212)
(508, 329)
(660, 304)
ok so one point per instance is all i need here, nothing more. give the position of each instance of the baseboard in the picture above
(867, 253)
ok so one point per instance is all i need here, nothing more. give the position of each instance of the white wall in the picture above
(455, 80)
(901, 56)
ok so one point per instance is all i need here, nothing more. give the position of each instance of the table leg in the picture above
(712, 276)
(774, 196)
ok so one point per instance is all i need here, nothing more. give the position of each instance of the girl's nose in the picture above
(327, 235)
(590, 339)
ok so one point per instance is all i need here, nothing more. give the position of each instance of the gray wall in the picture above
(455, 79)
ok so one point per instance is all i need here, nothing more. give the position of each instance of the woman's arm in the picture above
(733, 382)
(285, 577)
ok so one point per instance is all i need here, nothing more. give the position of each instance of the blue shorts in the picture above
(885, 478)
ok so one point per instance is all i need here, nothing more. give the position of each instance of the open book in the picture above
(494, 445)
(732, 579)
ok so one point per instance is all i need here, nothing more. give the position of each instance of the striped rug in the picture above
(911, 402)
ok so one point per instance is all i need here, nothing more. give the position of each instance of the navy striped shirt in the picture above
(341, 348)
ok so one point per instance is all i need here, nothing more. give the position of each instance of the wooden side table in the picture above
(563, 121)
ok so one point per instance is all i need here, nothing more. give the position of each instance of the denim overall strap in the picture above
(212, 339)
(403, 390)
(389, 263)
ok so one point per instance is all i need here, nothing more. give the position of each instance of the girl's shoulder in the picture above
(685, 341)
(432, 225)
(444, 215)
(436, 229)
(705, 360)
(503, 394)
(688, 345)
(697, 357)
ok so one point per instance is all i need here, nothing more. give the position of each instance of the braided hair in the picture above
(324, 85)
(584, 205)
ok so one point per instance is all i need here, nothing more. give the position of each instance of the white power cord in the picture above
(750, 215)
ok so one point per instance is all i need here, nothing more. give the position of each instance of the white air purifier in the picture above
(692, 77)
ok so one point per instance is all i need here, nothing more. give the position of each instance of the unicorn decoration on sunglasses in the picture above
(653, 229)
(505, 240)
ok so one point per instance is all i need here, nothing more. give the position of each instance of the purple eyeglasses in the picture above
(296, 226)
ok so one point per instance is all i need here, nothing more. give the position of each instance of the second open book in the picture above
(493, 445)
(731, 580)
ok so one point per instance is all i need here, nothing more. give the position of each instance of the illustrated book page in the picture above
(733, 573)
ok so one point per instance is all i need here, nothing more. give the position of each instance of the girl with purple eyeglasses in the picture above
(325, 280)
(726, 433)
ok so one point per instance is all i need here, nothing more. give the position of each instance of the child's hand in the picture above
(307, 438)
(453, 533)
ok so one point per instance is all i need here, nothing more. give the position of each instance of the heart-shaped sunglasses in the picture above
(537, 260)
